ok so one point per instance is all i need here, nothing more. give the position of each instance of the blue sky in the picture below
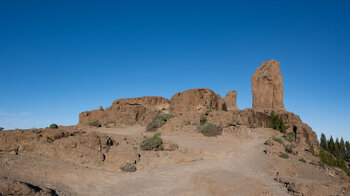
(59, 58)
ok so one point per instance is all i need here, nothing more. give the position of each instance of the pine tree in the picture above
(336, 149)
(342, 148)
(331, 145)
(347, 144)
(323, 142)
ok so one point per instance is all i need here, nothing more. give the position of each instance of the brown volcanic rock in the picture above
(231, 100)
(127, 111)
(267, 87)
(196, 100)
(306, 138)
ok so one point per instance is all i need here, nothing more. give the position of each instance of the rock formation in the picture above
(196, 100)
(267, 87)
(127, 111)
(231, 101)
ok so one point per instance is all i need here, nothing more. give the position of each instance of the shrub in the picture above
(290, 137)
(187, 122)
(1, 128)
(202, 120)
(207, 112)
(267, 143)
(152, 143)
(128, 167)
(209, 129)
(279, 140)
(277, 123)
(289, 148)
(49, 139)
(302, 160)
(53, 126)
(195, 123)
(163, 117)
(158, 120)
(283, 155)
(95, 123)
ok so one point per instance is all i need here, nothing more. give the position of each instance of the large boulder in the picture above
(231, 101)
(267, 87)
(126, 111)
(196, 100)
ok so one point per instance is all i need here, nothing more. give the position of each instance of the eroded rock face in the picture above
(196, 100)
(231, 101)
(127, 111)
(267, 87)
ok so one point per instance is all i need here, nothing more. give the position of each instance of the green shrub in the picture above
(158, 120)
(1, 128)
(277, 123)
(209, 129)
(187, 122)
(283, 155)
(195, 123)
(267, 143)
(279, 140)
(290, 137)
(289, 148)
(35, 131)
(163, 117)
(202, 120)
(302, 160)
(330, 160)
(128, 167)
(53, 126)
(49, 139)
(95, 123)
(207, 112)
(152, 143)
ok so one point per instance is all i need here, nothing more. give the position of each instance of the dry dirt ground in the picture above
(232, 164)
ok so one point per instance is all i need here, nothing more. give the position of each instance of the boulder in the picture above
(231, 101)
(267, 87)
(126, 111)
(196, 100)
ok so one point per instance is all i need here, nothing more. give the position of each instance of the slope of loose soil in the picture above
(232, 164)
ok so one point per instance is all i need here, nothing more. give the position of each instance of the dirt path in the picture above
(237, 156)
(229, 165)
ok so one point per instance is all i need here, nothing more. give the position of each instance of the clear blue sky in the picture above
(59, 58)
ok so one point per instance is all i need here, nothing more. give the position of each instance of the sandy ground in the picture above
(228, 165)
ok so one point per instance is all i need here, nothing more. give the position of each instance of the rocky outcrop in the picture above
(267, 87)
(126, 111)
(306, 138)
(196, 100)
(231, 101)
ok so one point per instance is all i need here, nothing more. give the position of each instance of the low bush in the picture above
(187, 122)
(207, 112)
(152, 143)
(158, 120)
(53, 126)
(302, 160)
(290, 137)
(279, 140)
(202, 120)
(195, 123)
(49, 139)
(209, 129)
(289, 148)
(1, 128)
(268, 143)
(283, 155)
(95, 123)
(128, 167)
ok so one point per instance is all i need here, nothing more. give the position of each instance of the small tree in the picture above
(53, 126)
(323, 142)
(1, 128)
(336, 149)
(347, 144)
(277, 123)
(331, 145)
(342, 148)
(203, 120)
